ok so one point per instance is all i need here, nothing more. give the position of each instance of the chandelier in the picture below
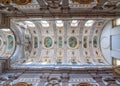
(18, 2)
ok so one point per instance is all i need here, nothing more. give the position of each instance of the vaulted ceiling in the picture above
(101, 11)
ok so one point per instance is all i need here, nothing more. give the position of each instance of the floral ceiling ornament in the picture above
(83, 1)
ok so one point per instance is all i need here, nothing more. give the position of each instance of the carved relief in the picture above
(53, 82)
(53, 3)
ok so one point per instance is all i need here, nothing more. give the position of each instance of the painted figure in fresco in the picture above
(48, 42)
(72, 42)
(10, 42)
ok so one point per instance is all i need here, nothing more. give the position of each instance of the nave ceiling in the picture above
(58, 42)
(70, 42)
(35, 15)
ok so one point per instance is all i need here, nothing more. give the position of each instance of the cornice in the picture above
(66, 70)
(68, 15)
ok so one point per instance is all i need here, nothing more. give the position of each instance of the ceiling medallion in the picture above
(83, 1)
(21, 2)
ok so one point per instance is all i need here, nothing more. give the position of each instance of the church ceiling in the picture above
(52, 41)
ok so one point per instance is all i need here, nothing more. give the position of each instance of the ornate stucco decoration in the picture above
(83, 3)
(109, 5)
(53, 3)
(18, 2)
(12, 6)
(53, 82)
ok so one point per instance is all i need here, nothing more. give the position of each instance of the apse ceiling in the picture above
(38, 42)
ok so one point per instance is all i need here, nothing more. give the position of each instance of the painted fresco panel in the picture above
(72, 42)
(48, 42)
(10, 42)
(95, 38)
(35, 42)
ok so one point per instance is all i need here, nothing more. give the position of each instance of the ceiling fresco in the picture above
(56, 42)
